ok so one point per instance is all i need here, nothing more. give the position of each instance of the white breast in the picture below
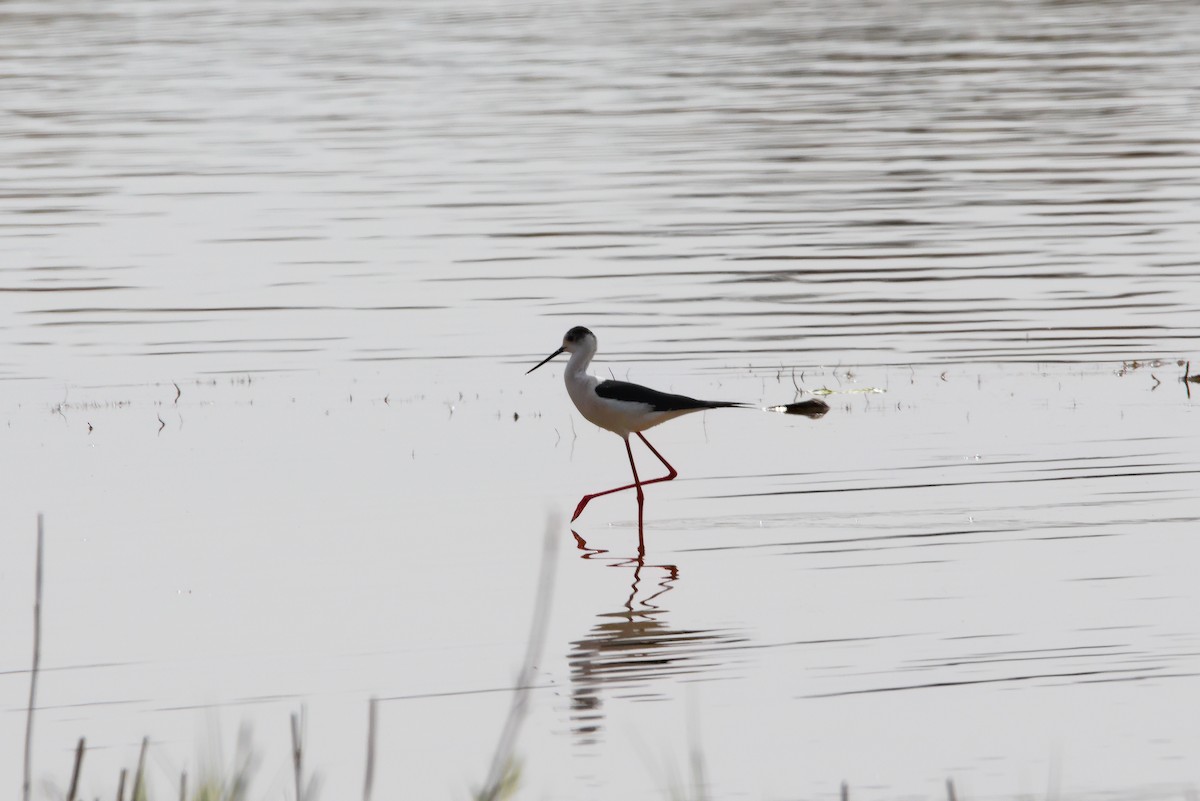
(620, 417)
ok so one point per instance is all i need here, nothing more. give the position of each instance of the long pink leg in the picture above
(636, 483)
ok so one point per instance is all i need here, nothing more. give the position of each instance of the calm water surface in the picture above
(271, 272)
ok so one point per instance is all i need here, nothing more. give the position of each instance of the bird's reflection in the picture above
(633, 652)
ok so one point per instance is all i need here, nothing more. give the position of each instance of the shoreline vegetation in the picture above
(233, 782)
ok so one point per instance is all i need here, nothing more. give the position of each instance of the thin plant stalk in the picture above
(75, 771)
(37, 656)
(138, 791)
(696, 757)
(298, 757)
(502, 758)
(372, 721)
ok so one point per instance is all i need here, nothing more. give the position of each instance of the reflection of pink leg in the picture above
(636, 483)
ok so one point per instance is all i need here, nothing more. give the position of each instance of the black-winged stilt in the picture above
(624, 408)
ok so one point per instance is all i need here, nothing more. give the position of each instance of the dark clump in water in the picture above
(812, 407)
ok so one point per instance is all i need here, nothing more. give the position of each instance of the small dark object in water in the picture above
(1189, 379)
(812, 407)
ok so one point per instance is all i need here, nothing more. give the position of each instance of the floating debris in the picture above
(1189, 379)
(862, 391)
(812, 407)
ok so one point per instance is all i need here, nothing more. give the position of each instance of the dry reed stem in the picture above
(75, 771)
(37, 655)
(297, 757)
(141, 769)
(372, 722)
(502, 758)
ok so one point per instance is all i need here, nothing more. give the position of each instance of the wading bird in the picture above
(624, 408)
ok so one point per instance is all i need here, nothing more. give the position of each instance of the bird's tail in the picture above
(812, 408)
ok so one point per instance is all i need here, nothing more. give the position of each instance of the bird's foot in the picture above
(579, 509)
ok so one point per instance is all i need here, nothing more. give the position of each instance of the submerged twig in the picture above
(61, 405)
(37, 656)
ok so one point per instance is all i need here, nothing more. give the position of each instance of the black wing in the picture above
(658, 401)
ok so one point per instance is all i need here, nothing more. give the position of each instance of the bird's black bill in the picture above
(543, 361)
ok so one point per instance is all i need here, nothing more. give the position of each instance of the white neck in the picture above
(581, 358)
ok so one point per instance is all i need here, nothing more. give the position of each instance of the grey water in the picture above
(271, 274)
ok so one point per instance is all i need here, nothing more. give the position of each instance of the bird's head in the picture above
(578, 338)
